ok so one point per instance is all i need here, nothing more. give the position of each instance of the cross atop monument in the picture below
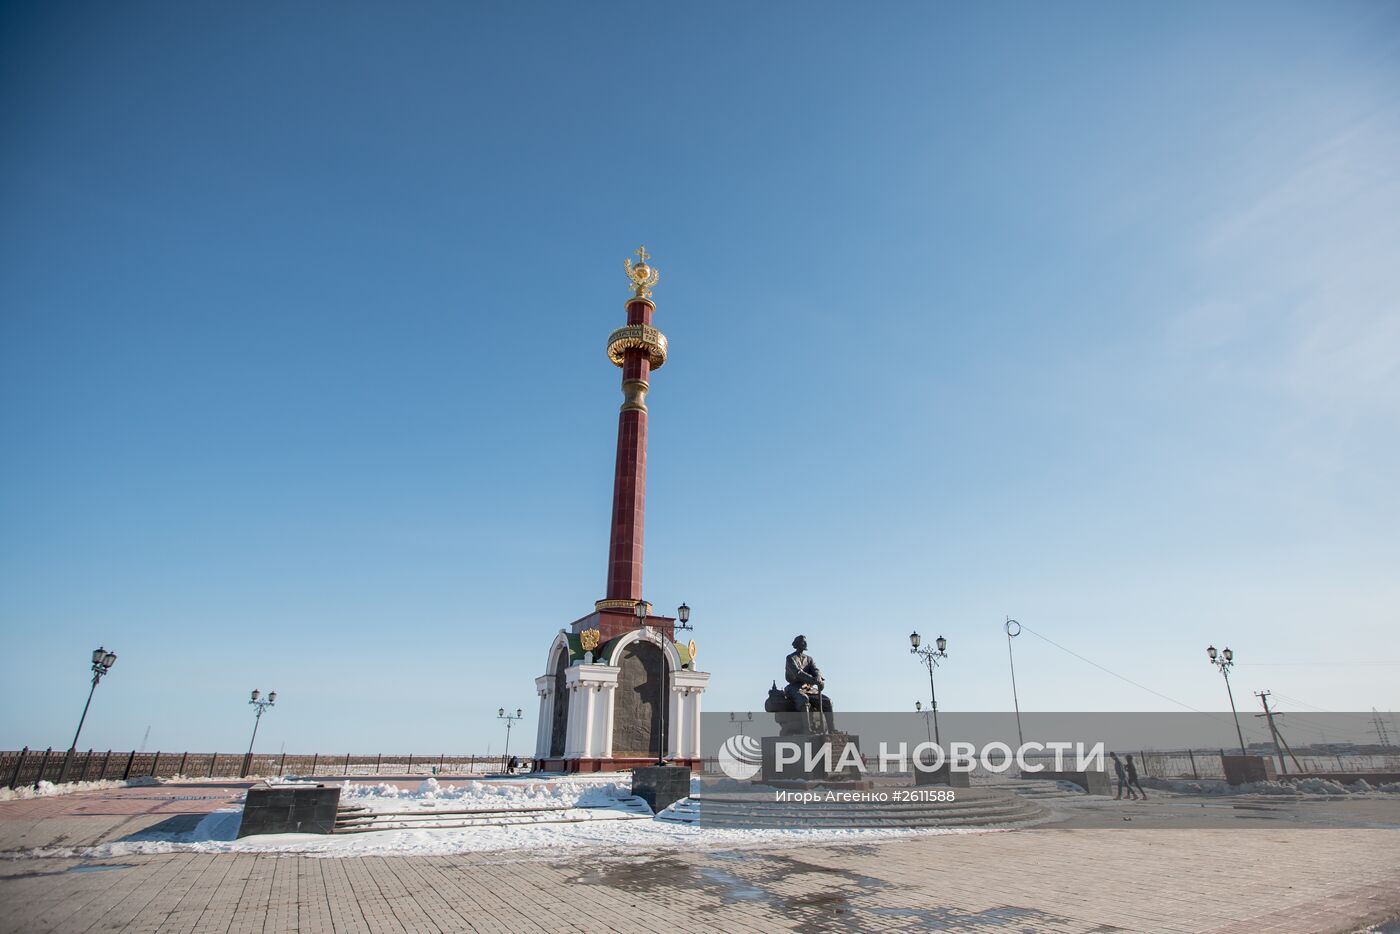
(642, 253)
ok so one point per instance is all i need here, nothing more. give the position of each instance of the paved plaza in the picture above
(1246, 869)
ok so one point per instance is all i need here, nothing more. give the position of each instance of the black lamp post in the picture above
(1013, 629)
(510, 721)
(1225, 661)
(259, 705)
(642, 609)
(930, 656)
(919, 705)
(102, 662)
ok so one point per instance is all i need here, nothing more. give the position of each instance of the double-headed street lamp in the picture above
(102, 662)
(510, 721)
(930, 656)
(642, 610)
(919, 706)
(1225, 661)
(259, 705)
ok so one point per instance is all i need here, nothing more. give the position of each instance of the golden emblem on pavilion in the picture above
(642, 276)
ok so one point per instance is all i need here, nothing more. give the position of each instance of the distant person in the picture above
(1122, 774)
(1132, 777)
(515, 764)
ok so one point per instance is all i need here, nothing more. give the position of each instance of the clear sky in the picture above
(1084, 313)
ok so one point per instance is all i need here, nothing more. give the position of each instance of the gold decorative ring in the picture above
(641, 337)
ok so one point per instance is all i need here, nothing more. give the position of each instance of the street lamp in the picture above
(510, 721)
(1225, 661)
(102, 662)
(919, 705)
(1013, 629)
(930, 656)
(642, 609)
(743, 721)
(259, 706)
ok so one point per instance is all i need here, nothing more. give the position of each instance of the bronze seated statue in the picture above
(803, 707)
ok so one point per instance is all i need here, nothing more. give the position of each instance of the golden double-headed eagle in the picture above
(642, 276)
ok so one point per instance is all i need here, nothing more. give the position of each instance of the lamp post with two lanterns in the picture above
(510, 719)
(919, 706)
(102, 662)
(259, 705)
(930, 656)
(642, 611)
(1225, 661)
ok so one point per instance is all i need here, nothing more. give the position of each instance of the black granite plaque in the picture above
(823, 757)
(661, 785)
(289, 809)
(637, 711)
(559, 716)
(943, 775)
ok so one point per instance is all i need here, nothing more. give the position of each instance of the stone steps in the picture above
(1037, 790)
(972, 808)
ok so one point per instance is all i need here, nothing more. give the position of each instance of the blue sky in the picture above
(1082, 313)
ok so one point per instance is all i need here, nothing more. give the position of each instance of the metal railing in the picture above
(28, 767)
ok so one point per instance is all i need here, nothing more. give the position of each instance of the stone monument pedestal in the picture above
(661, 786)
(943, 775)
(289, 809)
(1242, 770)
(824, 758)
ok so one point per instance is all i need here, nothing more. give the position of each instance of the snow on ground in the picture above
(215, 835)
(610, 824)
(1302, 787)
(49, 789)
(432, 795)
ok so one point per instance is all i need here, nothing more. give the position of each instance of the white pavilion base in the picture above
(590, 694)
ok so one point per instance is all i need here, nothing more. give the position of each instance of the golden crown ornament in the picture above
(642, 276)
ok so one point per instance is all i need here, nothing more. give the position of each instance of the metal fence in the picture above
(1181, 764)
(31, 766)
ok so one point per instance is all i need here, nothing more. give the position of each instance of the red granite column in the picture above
(630, 477)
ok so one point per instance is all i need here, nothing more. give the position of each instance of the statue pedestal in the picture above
(943, 775)
(661, 786)
(821, 758)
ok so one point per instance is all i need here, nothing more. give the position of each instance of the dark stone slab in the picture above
(1242, 770)
(660, 786)
(1095, 783)
(289, 809)
(943, 775)
(812, 765)
(637, 702)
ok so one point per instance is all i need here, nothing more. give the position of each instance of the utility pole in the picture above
(1274, 732)
(1379, 726)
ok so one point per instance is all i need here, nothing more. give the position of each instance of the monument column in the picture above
(638, 348)
(615, 648)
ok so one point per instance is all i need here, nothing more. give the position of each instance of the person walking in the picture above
(1133, 778)
(1122, 774)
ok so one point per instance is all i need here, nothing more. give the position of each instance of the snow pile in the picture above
(1294, 788)
(611, 825)
(46, 789)
(1392, 787)
(486, 795)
